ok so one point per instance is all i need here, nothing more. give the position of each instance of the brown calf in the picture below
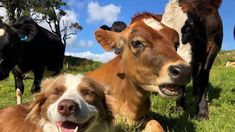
(147, 62)
(200, 28)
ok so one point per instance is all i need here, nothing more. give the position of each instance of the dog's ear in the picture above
(47, 83)
(39, 100)
(107, 108)
(103, 94)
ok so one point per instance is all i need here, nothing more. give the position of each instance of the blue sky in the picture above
(92, 14)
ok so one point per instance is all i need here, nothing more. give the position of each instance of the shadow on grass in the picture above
(192, 101)
(214, 92)
(181, 123)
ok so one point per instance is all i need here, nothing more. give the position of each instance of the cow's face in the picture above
(11, 39)
(9, 50)
(149, 57)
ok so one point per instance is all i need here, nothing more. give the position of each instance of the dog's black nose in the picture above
(67, 107)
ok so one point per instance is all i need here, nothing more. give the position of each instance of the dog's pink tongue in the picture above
(65, 127)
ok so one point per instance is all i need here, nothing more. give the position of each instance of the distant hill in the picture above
(224, 56)
(76, 61)
(72, 64)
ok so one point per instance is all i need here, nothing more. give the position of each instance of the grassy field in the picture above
(221, 98)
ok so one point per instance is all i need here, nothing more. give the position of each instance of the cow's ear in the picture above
(26, 32)
(107, 39)
(118, 26)
(105, 27)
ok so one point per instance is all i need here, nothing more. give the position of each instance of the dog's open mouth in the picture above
(171, 89)
(68, 126)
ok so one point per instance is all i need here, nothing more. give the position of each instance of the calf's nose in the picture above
(67, 107)
(180, 73)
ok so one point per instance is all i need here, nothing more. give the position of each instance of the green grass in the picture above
(221, 101)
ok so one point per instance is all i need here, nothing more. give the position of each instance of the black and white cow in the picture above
(26, 46)
(117, 26)
(199, 24)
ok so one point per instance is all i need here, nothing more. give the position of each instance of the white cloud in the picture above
(89, 43)
(85, 43)
(69, 18)
(72, 40)
(106, 14)
(104, 57)
(82, 43)
(78, 4)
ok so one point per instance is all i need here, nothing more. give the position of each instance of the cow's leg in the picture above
(37, 80)
(195, 78)
(203, 79)
(19, 86)
(200, 82)
(180, 102)
(202, 108)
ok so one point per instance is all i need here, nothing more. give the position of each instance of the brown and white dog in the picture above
(67, 103)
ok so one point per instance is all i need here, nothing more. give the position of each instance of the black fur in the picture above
(117, 26)
(204, 32)
(28, 46)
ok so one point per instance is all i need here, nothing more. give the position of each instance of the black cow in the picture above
(200, 26)
(26, 46)
(234, 32)
(117, 26)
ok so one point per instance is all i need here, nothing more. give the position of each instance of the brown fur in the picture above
(142, 15)
(13, 119)
(200, 7)
(124, 75)
(29, 117)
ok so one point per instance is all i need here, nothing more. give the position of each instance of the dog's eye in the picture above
(89, 92)
(57, 91)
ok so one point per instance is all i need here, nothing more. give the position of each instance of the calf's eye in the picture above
(137, 44)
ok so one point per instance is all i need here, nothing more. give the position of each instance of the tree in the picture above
(1, 19)
(15, 8)
(53, 11)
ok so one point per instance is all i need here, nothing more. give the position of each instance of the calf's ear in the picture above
(26, 32)
(107, 39)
